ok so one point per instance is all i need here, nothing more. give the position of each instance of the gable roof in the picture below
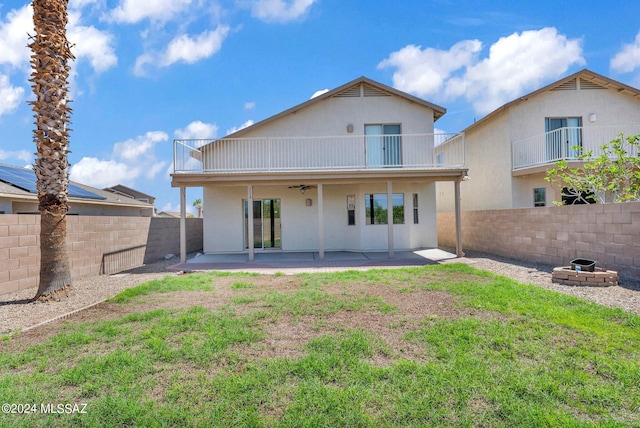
(354, 88)
(584, 78)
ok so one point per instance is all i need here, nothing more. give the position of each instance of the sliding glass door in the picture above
(564, 137)
(384, 145)
(265, 223)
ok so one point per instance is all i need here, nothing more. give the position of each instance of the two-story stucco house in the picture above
(509, 150)
(353, 169)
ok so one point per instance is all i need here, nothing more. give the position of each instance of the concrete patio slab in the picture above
(296, 262)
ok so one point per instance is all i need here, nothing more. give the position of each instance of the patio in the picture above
(296, 262)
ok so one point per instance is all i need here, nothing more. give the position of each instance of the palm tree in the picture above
(51, 54)
(198, 205)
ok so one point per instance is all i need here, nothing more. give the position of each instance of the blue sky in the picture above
(150, 71)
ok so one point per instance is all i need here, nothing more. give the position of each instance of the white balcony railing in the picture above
(233, 155)
(567, 144)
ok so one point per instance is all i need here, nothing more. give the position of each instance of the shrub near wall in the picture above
(97, 245)
(607, 233)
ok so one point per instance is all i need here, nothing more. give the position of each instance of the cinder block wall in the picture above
(609, 234)
(97, 245)
(164, 237)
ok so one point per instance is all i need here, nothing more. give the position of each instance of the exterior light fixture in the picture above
(350, 128)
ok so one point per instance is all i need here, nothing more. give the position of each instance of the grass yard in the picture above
(444, 345)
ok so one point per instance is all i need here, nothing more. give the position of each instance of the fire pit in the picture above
(584, 272)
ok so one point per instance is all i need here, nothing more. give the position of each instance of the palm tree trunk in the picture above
(50, 73)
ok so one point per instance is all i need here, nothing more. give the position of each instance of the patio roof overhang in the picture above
(320, 178)
(326, 177)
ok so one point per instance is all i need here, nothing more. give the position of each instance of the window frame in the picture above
(372, 219)
(536, 193)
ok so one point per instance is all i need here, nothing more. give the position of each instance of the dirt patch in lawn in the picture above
(285, 334)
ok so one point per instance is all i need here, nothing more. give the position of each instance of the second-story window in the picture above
(384, 145)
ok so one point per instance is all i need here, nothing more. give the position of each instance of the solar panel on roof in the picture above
(79, 192)
(25, 179)
(22, 178)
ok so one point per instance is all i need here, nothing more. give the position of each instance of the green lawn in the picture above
(441, 345)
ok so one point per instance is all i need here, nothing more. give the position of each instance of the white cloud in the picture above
(318, 93)
(10, 96)
(628, 59)
(250, 105)
(133, 11)
(194, 49)
(91, 44)
(424, 72)
(280, 10)
(516, 63)
(102, 173)
(23, 155)
(184, 48)
(197, 130)
(236, 129)
(88, 42)
(133, 149)
(130, 160)
(79, 4)
(14, 35)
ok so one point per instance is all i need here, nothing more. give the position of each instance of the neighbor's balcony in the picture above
(229, 155)
(566, 144)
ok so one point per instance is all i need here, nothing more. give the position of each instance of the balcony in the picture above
(565, 144)
(303, 154)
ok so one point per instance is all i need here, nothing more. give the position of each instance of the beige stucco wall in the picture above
(224, 228)
(330, 117)
(488, 145)
(488, 157)
(266, 146)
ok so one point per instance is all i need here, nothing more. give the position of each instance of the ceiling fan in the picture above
(302, 187)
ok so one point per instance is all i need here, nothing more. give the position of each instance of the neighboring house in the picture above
(353, 169)
(18, 196)
(173, 214)
(509, 151)
(132, 193)
(121, 190)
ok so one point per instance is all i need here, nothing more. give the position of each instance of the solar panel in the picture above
(21, 178)
(25, 179)
(79, 192)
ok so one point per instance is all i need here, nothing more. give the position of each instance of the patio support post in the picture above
(390, 219)
(250, 221)
(459, 252)
(183, 224)
(320, 222)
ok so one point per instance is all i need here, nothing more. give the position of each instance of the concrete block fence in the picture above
(607, 233)
(97, 245)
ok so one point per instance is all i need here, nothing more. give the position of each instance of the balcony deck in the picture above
(319, 155)
(540, 152)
